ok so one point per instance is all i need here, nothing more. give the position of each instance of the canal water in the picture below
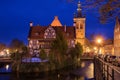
(84, 73)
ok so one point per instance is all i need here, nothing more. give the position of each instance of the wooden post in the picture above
(107, 72)
(112, 74)
(94, 68)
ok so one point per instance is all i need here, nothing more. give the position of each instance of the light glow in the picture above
(7, 67)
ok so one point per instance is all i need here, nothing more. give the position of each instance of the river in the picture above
(84, 73)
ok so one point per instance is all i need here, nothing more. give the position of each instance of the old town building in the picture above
(40, 37)
(108, 48)
(117, 37)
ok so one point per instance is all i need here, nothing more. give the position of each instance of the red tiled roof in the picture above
(40, 30)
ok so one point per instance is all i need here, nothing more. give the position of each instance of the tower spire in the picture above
(79, 13)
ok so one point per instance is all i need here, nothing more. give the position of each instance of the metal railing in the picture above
(105, 71)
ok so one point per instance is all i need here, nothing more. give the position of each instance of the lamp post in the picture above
(99, 41)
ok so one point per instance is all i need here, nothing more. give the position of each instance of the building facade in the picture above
(117, 37)
(40, 37)
(108, 48)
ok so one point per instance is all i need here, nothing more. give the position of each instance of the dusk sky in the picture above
(15, 16)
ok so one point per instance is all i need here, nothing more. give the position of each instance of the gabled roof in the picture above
(117, 22)
(56, 22)
(37, 32)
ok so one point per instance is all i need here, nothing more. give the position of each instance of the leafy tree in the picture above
(2, 46)
(51, 57)
(60, 43)
(43, 54)
(79, 49)
(17, 45)
(76, 51)
(107, 10)
(16, 56)
(59, 46)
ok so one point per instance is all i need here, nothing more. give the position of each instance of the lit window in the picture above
(37, 33)
(49, 33)
(81, 26)
(117, 29)
(67, 34)
(77, 27)
(119, 36)
(31, 41)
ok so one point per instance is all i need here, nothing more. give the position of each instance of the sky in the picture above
(15, 16)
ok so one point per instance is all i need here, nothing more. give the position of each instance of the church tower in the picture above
(79, 23)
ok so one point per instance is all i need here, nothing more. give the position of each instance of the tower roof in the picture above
(56, 22)
(79, 13)
(117, 22)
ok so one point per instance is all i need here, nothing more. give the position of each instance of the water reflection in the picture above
(82, 64)
(86, 70)
(83, 73)
(7, 67)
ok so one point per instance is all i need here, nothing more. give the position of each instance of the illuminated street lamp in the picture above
(99, 41)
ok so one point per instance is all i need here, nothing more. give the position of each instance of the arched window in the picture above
(50, 33)
(81, 26)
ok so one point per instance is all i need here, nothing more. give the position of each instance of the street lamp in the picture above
(99, 41)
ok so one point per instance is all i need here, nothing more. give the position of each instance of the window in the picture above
(67, 34)
(30, 41)
(72, 42)
(81, 26)
(33, 44)
(49, 33)
(119, 36)
(37, 33)
(77, 27)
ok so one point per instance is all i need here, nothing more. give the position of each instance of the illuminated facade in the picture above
(79, 23)
(40, 37)
(117, 38)
(108, 47)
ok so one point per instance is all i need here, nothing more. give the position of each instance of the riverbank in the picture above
(83, 73)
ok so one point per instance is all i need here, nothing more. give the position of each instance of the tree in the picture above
(2, 46)
(42, 54)
(76, 51)
(60, 43)
(59, 46)
(17, 45)
(107, 9)
(79, 49)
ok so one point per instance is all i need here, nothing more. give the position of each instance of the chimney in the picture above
(31, 24)
(65, 28)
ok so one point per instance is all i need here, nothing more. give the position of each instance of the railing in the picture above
(105, 71)
(5, 60)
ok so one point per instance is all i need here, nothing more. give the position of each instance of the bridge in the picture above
(5, 60)
(102, 69)
(105, 71)
(86, 58)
